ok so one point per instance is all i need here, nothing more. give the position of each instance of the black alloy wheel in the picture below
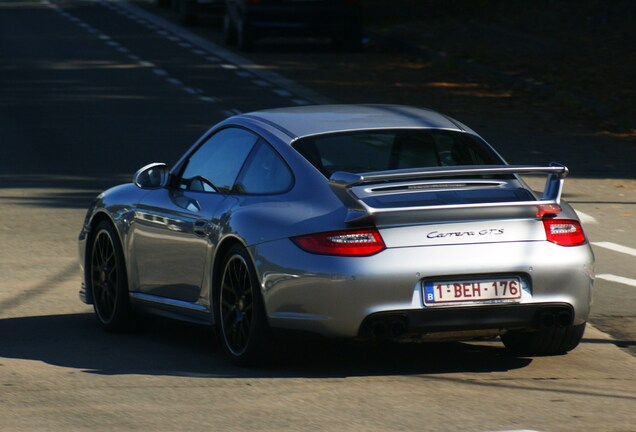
(108, 279)
(241, 322)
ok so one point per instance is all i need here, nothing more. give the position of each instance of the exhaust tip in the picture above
(398, 328)
(548, 319)
(378, 329)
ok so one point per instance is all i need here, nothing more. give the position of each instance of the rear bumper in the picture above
(461, 319)
(337, 296)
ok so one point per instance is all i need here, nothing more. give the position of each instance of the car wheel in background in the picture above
(245, 35)
(240, 318)
(229, 31)
(550, 341)
(109, 283)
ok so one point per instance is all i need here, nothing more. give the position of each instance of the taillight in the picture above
(564, 232)
(358, 242)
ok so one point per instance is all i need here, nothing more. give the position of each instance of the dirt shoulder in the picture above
(579, 56)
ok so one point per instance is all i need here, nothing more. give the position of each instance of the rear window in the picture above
(367, 151)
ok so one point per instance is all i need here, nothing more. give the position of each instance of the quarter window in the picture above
(215, 165)
(265, 173)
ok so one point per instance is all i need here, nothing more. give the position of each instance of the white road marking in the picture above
(157, 71)
(160, 72)
(617, 279)
(616, 248)
(174, 81)
(227, 56)
(199, 46)
(585, 218)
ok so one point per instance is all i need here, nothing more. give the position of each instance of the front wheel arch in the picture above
(97, 219)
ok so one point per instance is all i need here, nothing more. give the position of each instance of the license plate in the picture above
(472, 291)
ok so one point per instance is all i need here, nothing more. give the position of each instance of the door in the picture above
(171, 236)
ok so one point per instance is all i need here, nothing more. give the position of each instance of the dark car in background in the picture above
(189, 11)
(249, 20)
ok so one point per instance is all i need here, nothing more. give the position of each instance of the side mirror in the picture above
(152, 176)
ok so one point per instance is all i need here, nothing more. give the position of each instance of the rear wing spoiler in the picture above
(345, 185)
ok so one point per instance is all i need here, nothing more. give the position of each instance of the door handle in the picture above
(201, 228)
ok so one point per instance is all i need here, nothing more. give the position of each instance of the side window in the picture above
(265, 173)
(215, 165)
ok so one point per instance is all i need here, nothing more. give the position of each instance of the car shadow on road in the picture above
(168, 348)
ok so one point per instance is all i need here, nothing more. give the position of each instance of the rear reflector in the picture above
(358, 242)
(564, 232)
(547, 210)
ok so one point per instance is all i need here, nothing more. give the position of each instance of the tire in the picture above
(240, 317)
(108, 280)
(550, 341)
(244, 36)
(229, 31)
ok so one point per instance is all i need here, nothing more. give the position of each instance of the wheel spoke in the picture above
(227, 304)
(236, 304)
(100, 247)
(104, 276)
(229, 318)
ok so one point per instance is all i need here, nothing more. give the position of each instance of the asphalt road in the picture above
(90, 91)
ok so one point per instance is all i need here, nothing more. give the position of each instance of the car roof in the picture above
(304, 121)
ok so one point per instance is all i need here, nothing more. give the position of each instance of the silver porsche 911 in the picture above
(352, 221)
